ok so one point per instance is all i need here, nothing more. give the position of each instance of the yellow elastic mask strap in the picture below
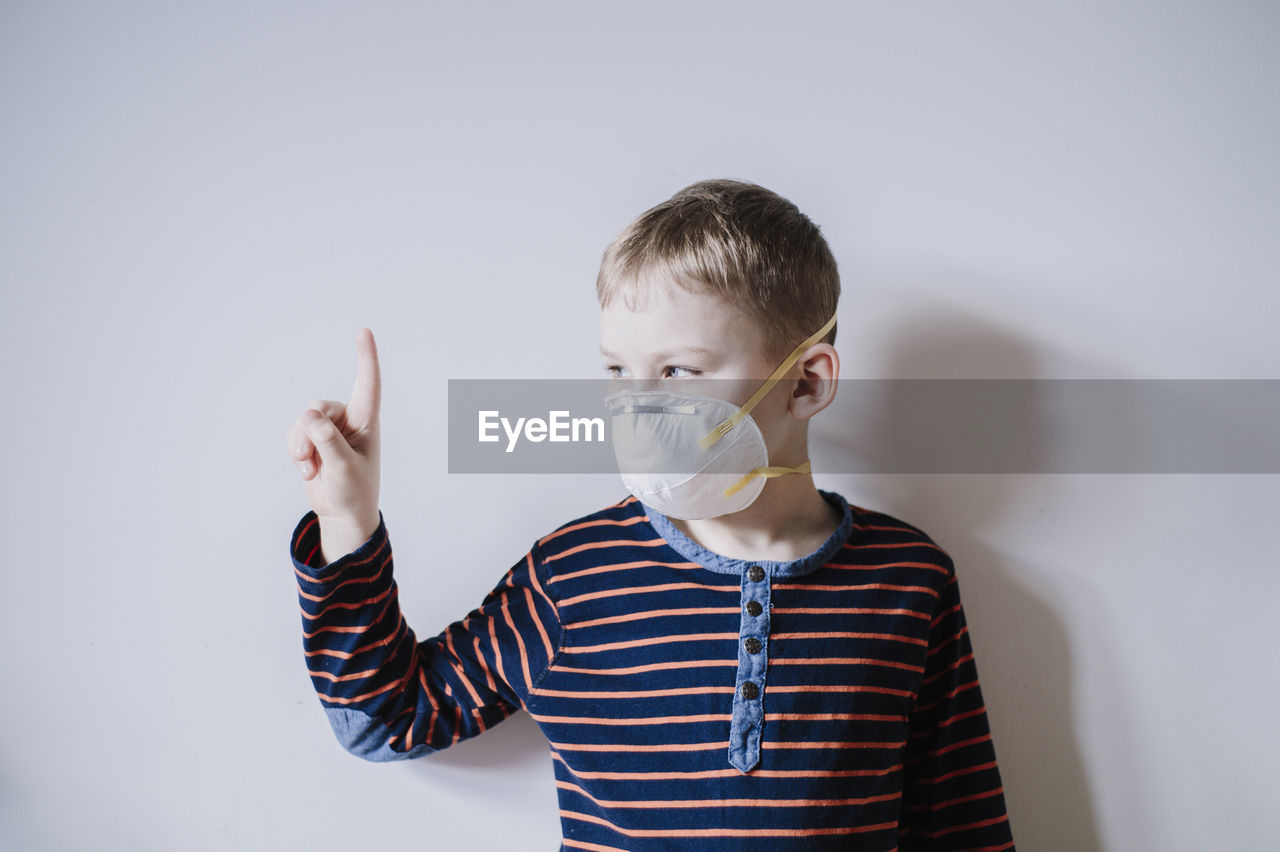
(767, 473)
(722, 428)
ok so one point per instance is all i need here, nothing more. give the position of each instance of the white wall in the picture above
(201, 206)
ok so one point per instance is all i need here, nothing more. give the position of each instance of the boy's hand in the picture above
(336, 449)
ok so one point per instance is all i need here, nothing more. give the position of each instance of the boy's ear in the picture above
(816, 386)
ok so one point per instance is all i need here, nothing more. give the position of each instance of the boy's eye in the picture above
(672, 371)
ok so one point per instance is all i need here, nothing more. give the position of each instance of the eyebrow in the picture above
(662, 356)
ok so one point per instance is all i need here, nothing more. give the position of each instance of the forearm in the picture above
(387, 695)
(360, 653)
(350, 615)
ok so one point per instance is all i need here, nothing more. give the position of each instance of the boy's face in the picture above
(675, 339)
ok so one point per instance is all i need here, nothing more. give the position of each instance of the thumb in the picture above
(330, 444)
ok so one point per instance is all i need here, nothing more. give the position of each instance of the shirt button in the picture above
(753, 645)
(754, 608)
(750, 690)
(756, 573)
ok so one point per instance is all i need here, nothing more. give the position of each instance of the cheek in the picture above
(776, 421)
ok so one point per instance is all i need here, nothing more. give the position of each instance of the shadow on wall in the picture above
(1020, 641)
(480, 764)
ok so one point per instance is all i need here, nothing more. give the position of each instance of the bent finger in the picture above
(299, 445)
(328, 440)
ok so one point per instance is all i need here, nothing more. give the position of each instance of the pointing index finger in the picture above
(366, 396)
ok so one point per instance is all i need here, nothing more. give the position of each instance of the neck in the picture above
(789, 520)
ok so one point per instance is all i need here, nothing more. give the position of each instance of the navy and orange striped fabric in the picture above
(690, 701)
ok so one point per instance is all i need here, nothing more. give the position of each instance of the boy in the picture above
(713, 666)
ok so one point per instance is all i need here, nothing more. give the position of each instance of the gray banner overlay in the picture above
(905, 425)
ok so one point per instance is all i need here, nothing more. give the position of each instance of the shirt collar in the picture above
(694, 552)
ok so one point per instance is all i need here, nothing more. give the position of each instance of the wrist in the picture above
(341, 536)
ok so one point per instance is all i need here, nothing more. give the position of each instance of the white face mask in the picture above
(695, 457)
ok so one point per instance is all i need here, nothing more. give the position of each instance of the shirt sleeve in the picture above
(953, 798)
(389, 696)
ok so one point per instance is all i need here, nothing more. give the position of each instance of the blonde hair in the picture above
(737, 240)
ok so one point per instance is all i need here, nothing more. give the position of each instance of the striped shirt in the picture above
(690, 701)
